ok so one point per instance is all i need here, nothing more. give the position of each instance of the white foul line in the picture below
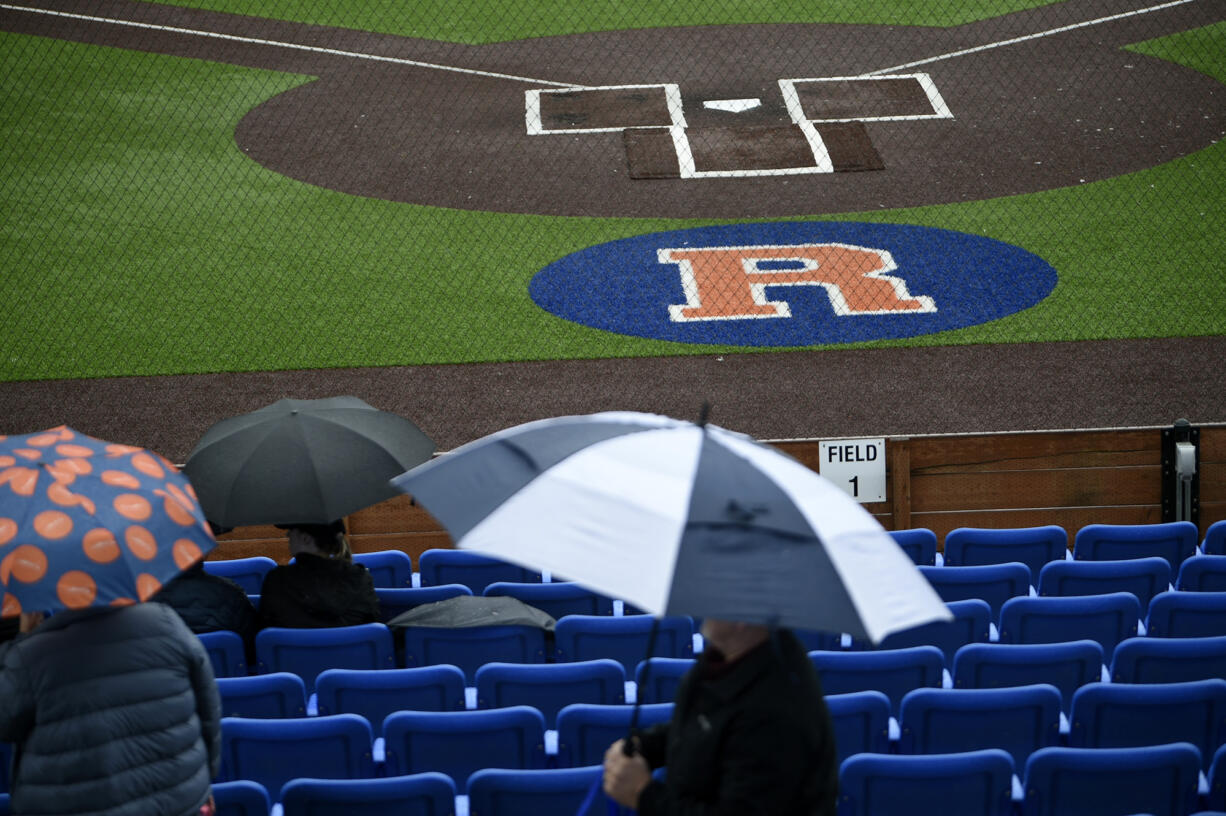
(292, 46)
(1035, 36)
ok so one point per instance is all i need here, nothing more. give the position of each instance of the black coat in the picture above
(316, 592)
(209, 603)
(754, 738)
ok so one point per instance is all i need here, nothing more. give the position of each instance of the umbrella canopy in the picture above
(302, 461)
(84, 522)
(678, 519)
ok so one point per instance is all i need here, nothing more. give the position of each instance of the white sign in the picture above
(855, 465)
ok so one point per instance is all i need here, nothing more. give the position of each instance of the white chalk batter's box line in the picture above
(678, 129)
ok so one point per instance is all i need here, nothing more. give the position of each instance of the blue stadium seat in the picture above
(586, 731)
(530, 793)
(307, 652)
(1019, 720)
(395, 600)
(227, 653)
(1067, 666)
(1158, 780)
(471, 647)
(861, 722)
(442, 566)
(974, 783)
(242, 797)
(557, 599)
(459, 743)
(1033, 546)
(1107, 619)
(1173, 540)
(248, 573)
(549, 687)
(1125, 715)
(5, 804)
(972, 623)
(624, 639)
(388, 568)
(1214, 542)
(424, 794)
(279, 694)
(894, 672)
(1202, 573)
(657, 678)
(1169, 660)
(376, 693)
(993, 583)
(1216, 798)
(1143, 577)
(1187, 614)
(919, 543)
(274, 751)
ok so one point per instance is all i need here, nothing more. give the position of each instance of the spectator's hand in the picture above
(30, 621)
(624, 776)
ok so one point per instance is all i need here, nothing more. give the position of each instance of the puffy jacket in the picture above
(113, 711)
(316, 592)
(208, 603)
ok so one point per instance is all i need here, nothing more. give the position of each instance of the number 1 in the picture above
(855, 485)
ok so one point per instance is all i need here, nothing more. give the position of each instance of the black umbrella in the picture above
(302, 461)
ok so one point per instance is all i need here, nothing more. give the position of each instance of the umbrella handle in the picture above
(628, 744)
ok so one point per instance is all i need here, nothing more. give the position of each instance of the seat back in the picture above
(458, 743)
(274, 751)
(919, 543)
(471, 647)
(1173, 540)
(1215, 539)
(994, 583)
(424, 794)
(1120, 715)
(975, 783)
(1143, 577)
(376, 693)
(395, 600)
(248, 573)
(388, 568)
(307, 652)
(1157, 780)
(657, 678)
(1169, 660)
(549, 687)
(893, 672)
(1202, 573)
(1032, 546)
(971, 624)
(557, 599)
(1106, 619)
(624, 639)
(1019, 720)
(585, 731)
(530, 793)
(280, 694)
(1187, 614)
(1067, 666)
(226, 651)
(861, 722)
(1215, 800)
(441, 566)
(242, 797)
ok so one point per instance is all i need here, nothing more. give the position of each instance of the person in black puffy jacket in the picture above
(322, 587)
(211, 603)
(111, 710)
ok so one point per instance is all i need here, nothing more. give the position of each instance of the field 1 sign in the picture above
(855, 465)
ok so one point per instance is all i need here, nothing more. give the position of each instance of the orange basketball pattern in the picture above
(76, 512)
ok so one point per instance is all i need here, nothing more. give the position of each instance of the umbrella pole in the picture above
(628, 747)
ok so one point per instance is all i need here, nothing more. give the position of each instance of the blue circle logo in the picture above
(793, 284)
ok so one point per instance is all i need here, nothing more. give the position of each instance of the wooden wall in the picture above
(1070, 478)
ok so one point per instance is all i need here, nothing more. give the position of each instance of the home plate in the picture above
(732, 105)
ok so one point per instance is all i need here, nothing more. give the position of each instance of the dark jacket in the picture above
(315, 591)
(753, 737)
(211, 603)
(111, 710)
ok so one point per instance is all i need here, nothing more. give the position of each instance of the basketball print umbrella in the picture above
(679, 519)
(84, 522)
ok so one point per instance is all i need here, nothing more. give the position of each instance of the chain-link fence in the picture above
(214, 185)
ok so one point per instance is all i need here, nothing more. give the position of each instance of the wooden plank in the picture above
(1036, 451)
(1081, 487)
(397, 514)
(898, 478)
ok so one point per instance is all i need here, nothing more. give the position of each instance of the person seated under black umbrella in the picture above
(322, 586)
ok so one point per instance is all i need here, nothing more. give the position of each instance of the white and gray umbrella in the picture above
(677, 518)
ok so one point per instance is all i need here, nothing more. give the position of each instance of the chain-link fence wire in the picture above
(212, 186)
